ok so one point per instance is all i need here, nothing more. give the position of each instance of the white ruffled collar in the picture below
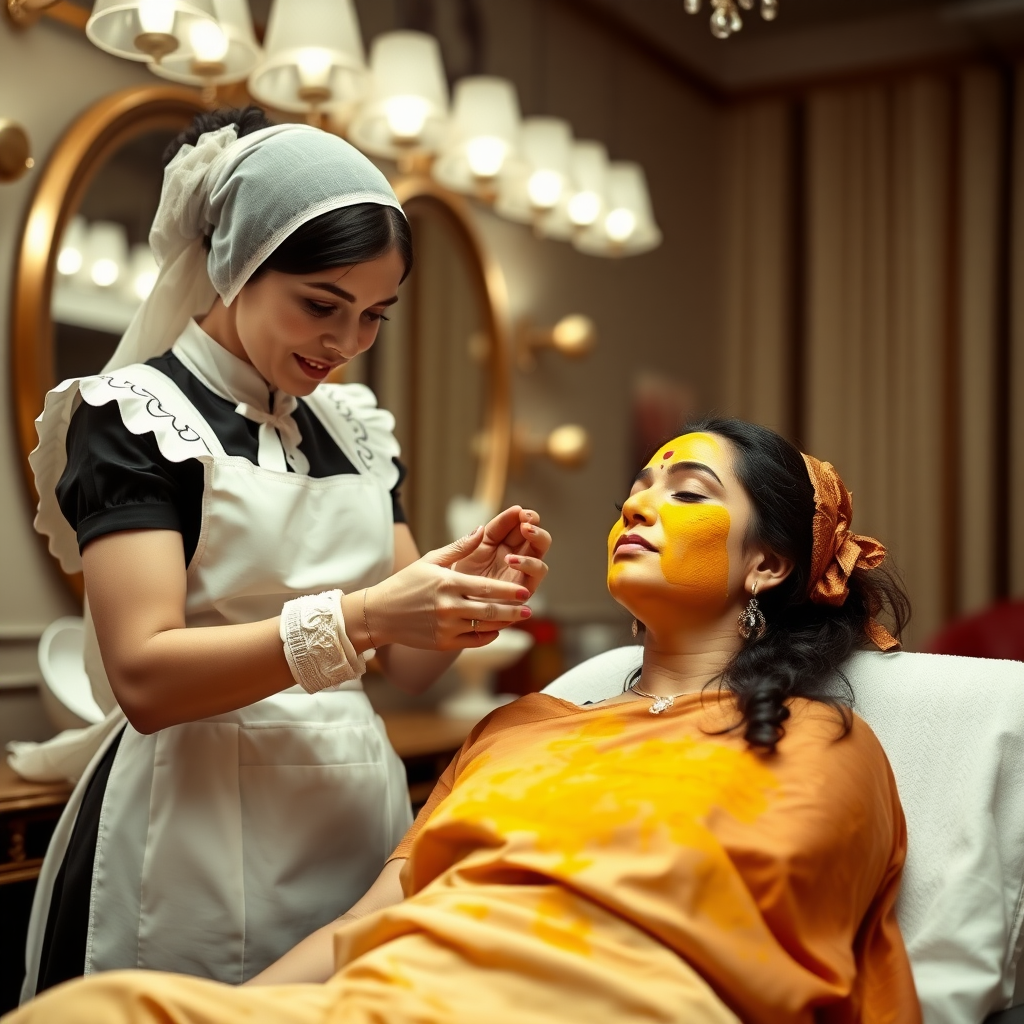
(223, 373)
(239, 382)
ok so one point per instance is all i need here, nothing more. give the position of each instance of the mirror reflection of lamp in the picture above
(142, 273)
(485, 126)
(313, 60)
(406, 117)
(107, 252)
(71, 255)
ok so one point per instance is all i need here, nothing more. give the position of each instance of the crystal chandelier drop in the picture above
(725, 14)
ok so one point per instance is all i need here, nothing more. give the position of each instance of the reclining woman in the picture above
(684, 852)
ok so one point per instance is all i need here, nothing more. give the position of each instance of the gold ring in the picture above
(472, 624)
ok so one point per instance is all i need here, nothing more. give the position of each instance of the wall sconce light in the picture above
(147, 30)
(314, 59)
(221, 51)
(567, 446)
(574, 336)
(15, 151)
(407, 113)
(485, 127)
(537, 183)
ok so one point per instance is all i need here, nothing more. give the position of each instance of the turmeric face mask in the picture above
(675, 527)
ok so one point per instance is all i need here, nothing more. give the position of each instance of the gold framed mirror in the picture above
(99, 170)
(104, 179)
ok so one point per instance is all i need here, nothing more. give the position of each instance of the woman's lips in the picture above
(632, 544)
(313, 368)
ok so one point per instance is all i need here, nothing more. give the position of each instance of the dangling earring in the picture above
(636, 628)
(751, 622)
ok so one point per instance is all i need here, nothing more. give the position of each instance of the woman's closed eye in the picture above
(374, 317)
(690, 497)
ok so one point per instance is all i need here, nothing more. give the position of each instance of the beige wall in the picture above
(656, 312)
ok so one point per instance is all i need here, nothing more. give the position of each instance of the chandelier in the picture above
(725, 14)
(396, 105)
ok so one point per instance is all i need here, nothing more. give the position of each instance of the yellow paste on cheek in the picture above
(695, 555)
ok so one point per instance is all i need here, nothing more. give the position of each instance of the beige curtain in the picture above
(877, 289)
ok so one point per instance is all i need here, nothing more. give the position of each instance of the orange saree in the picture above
(612, 865)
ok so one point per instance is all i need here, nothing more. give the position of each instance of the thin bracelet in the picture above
(366, 625)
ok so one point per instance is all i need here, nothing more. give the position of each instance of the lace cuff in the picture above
(316, 645)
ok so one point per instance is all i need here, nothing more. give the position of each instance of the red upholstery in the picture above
(997, 632)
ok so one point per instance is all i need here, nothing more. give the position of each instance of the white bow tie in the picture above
(279, 436)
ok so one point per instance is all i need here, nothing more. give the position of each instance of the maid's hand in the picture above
(512, 549)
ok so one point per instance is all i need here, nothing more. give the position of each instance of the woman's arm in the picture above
(312, 960)
(163, 674)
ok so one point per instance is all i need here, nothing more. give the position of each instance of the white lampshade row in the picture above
(141, 274)
(224, 50)
(72, 251)
(106, 253)
(583, 201)
(482, 135)
(313, 57)
(117, 25)
(627, 227)
(535, 181)
(408, 104)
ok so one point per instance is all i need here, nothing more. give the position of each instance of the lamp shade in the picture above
(141, 275)
(536, 181)
(408, 104)
(106, 256)
(482, 134)
(222, 50)
(71, 255)
(628, 227)
(147, 30)
(313, 57)
(583, 200)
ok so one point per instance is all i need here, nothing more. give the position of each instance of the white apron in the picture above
(224, 842)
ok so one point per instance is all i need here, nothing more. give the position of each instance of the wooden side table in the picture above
(29, 812)
(28, 816)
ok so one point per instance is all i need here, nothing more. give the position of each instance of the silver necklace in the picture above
(660, 703)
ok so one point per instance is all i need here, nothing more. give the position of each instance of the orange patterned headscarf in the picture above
(837, 551)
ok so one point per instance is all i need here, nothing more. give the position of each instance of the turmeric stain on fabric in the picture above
(593, 790)
(561, 923)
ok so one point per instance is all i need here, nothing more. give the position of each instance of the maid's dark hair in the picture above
(805, 644)
(338, 238)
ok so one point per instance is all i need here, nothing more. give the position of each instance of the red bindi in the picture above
(668, 455)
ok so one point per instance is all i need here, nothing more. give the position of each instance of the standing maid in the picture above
(243, 546)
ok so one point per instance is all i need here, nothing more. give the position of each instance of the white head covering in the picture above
(248, 195)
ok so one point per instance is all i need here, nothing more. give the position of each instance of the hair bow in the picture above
(836, 549)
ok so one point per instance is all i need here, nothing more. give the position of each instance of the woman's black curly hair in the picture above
(805, 644)
(338, 238)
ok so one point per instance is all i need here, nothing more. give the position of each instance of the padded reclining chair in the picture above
(953, 729)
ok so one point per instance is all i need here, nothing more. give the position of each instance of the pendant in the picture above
(661, 704)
